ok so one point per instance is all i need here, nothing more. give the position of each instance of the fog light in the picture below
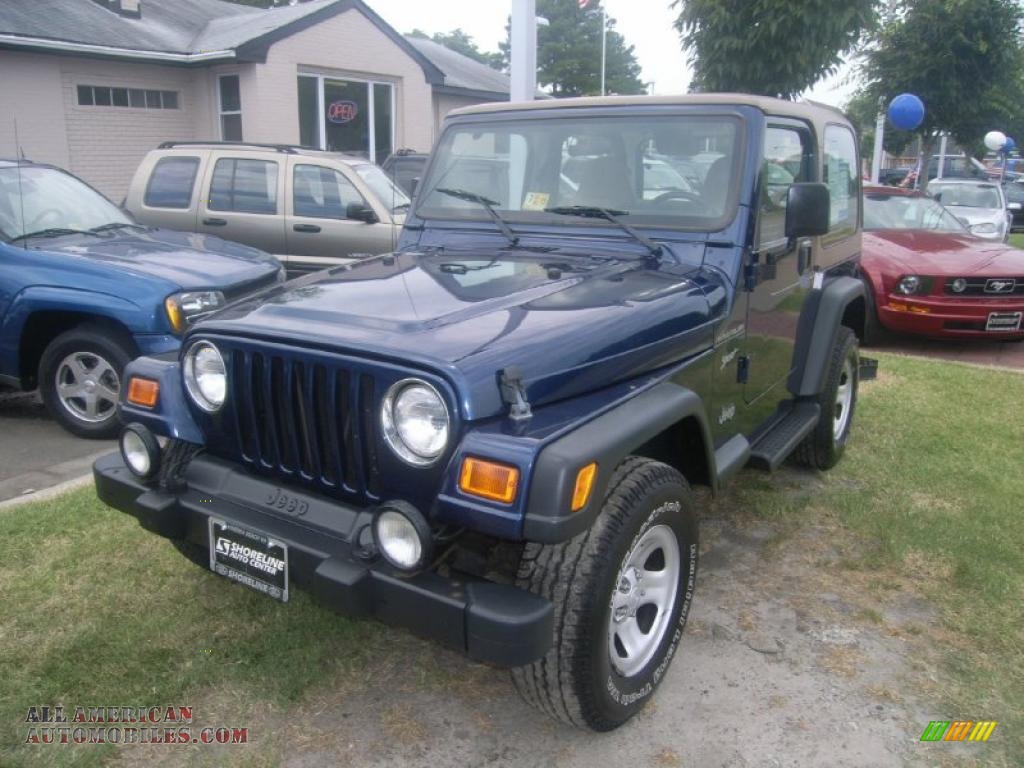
(140, 451)
(959, 285)
(402, 536)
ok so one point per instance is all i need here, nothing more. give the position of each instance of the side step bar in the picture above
(796, 421)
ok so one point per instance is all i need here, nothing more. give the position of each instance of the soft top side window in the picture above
(841, 174)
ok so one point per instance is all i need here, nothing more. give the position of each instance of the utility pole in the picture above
(876, 158)
(524, 50)
(604, 46)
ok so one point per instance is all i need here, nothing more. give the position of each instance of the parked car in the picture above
(312, 209)
(84, 289)
(926, 274)
(1013, 191)
(490, 436)
(980, 205)
(405, 167)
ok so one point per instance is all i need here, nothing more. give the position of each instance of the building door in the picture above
(351, 116)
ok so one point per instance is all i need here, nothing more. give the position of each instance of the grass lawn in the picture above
(1017, 240)
(98, 612)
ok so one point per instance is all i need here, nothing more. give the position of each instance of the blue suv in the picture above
(490, 436)
(84, 290)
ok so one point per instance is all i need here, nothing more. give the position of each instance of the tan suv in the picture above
(311, 209)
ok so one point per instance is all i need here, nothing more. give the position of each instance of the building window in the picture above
(107, 96)
(245, 186)
(171, 184)
(353, 116)
(230, 108)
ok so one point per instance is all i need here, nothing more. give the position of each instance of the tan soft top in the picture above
(816, 113)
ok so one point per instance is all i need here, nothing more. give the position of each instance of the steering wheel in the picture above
(676, 194)
(42, 215)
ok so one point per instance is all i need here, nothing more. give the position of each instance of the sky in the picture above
(646, 24)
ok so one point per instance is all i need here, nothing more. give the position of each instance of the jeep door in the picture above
(778, 269)
(243, 199)
(322, 226)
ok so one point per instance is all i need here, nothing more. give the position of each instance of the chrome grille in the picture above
(980, 286)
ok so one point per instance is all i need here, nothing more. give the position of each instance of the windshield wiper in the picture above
(52, 232)
(117, 225)
(611, 215)
(487, 204)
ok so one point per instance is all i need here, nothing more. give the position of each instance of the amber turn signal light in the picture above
(584, 485)
(144, 392)
(489, 480)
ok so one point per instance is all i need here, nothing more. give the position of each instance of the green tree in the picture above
(862, 109)
(460, 41)
(963, 58)
(769, 47)
(569, 52)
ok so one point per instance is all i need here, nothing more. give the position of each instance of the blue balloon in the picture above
(1010, 145)
(906, 112)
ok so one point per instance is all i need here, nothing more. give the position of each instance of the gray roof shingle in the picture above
(166, 26)
(462, 72)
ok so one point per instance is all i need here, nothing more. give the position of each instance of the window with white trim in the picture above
(230, 95)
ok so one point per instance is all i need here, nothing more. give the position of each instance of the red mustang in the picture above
(926, 274)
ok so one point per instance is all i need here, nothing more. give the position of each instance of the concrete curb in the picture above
(47, 483)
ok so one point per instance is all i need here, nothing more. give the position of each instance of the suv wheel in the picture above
(80, 379)
(823, 448)
(621, 592)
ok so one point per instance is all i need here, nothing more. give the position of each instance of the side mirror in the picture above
(807, 210)
(361, 212)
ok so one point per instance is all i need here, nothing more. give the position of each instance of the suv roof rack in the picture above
(287, 149)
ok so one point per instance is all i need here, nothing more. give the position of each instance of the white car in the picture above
(980, 205)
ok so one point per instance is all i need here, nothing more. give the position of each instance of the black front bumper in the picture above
(496, 623)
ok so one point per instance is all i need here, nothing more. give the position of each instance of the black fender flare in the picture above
(607, 439)
(816, 333)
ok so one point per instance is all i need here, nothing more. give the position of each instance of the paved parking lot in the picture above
(36, 453)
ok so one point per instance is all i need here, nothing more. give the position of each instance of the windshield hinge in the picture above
(513, 394)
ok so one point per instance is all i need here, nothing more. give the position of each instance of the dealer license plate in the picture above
(250, 558)
(1004, 321)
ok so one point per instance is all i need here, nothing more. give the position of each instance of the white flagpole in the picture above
(604, 45)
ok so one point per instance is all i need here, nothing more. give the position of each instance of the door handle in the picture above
(215, 222)
(306, 228)
(803, 258)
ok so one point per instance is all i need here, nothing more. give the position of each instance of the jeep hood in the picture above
(571, 324)
(188, 260)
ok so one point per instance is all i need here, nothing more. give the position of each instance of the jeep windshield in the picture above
(677, 172)
(42, 201)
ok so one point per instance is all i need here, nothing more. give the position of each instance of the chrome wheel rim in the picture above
(844, 401)
(88, 387)
(642, 600)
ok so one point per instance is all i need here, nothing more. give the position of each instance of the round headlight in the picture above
(415, 422)
(959, 285)
(206, 377)
(140, 451)
(909, 285)
(402, 536)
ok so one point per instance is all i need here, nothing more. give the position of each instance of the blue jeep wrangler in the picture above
(84, 289)
(490, 436)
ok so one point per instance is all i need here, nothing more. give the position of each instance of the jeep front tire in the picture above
(621, 592)
(823, 448)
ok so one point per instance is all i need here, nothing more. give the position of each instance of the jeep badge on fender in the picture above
(490, 435)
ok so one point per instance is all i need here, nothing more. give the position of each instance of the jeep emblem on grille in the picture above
(1000, 286)
(278, 499)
